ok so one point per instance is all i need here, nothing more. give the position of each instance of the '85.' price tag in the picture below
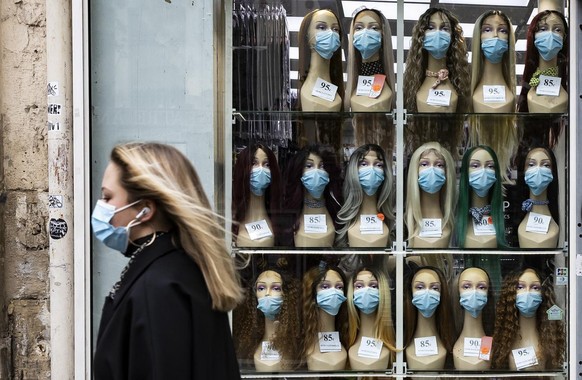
(524, 357)
(314, 223)
(324, 90)
(329, 341)
(538, 223)
(370, 348)
(370, 225)
(438, 97)
(258, 229)
(549, 86)
(426, 346)
(493, 94)
(431, 228)
(364, 85)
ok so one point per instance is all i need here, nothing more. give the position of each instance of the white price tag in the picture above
(329, 342)
(485, 227)
(426, 346)
(364, 85)
(494, 94)
(258, 229)
(471, 347)
(438, 97)
(324, 90)
(370, 348)
(314, 223)
(268, 352)
(370, 225)
(538, 223)
(431, 228)
(524, 357)
(549, 86)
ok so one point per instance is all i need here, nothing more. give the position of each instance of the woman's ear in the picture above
(147, 212)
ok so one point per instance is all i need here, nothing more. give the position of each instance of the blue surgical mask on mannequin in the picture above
(473, 301)
(270, 306)
(371, 179)
(368, 42)
(326, 43)
(494, 48)
(548, 44)
(426, 301)
(116, 238)
(538, 178)
(431, 180)
(315, 181)
(367, 299)
(482, 180)
(260, 180)
(437, 43)
(528, 302)
(330, 300)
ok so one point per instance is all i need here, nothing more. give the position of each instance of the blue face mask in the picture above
(494, 48)
(431, 179)
(437, 43)
(473, 301)
(315, 181)
(527, 303)
(482, 180)
(270, 306)
(371, 178)
(260, 180)
(538, 178)
(330, 300)
(367, 299)
(426, 301)
(326, 43)
(368, 42)
(548, 44)
(115, 238)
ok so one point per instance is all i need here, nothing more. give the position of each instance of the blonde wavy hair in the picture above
(163, 175)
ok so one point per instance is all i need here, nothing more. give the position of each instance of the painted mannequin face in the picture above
(538, 157)
(322, 20)
(371, 159)
(494, 26)
(438, 21)
(365, 279)
(269, 283)
(313, 162)
(473, 279)
(332, 279)
(553, 24)
(367, 20)
(261, 159)
(426, 279)
(529, 282)
(430, 159)
(481, 159)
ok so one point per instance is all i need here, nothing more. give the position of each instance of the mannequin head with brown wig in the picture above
(250, 320)
(508, 318)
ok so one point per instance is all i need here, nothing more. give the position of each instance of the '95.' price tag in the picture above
(370, 348)
(494, 94)
(258, 229)
(538, 223)
(549, 86)
(370, 225)
(426, 346)
(364, 85)
(524, 357)
(324, 90)
(314, 223)
(438, 97)
(329, 341)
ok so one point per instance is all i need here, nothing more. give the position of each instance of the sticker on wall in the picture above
(54, 109)
(555, 313)
(52, 89)
(561, 276)
(55, 201)
(578, 265)
(56, 126)
(57, 228)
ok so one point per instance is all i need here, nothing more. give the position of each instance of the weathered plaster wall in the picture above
(24, 322)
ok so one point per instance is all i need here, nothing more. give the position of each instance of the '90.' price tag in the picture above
(258, 229)
(471, 347)
(538, 223)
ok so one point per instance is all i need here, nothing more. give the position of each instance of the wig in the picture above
(495, 198)
(354, 195)
(551, 332)
(442, 314)
(295, 191)
(384, 326)
(249, 323)
(311, 279)
(241, 188)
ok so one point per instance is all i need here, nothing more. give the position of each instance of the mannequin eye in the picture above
(536, 288)
(339, 286)
(466, 286)
(423, 163)
(261, 288)
(308, 165)
(419, 286)
(446, 28)
(503, 30)
(363, 163)
(335, 29)
(486, 29)
(277, 288)
(379, 164)
(436, 288)
(358, 285)
(482, 287)
(491, 166)
(373, 285)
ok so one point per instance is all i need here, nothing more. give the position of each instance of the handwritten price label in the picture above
(426, 346)
(329, 341)
(494, 94)
(324, 90)
(258, 229)
(314, 223)
(370, 225)
(524, 357)
(370, 348)
(549, 86)
(431, 228)
(438, 97)
(538, 223)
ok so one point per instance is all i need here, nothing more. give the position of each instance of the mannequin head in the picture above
(507, 320)
(477, 158)
(250, 321)
(430, 154)
(364, 157)
(312, 157)
(473, 280)
(372, 20)
(493, 24)
(255, 155)
(456, 57)
(317, 21)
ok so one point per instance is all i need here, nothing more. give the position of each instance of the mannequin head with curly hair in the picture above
(510, 315)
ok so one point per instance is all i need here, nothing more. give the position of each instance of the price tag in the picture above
(485, 351)
(438, 97)
(494, 94)
(258, 230)
(377, 85)
(370, 348)
(329, 342)
(431, 228)
(549, 86)
(364, 85)
(524, 357)
(370, 225)
(268, 352)
(426, 346)
(485, 227)
(538, 223)
(472, 347)
(314, 223)
(324, 90)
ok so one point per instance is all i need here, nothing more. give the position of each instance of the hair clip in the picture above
(358, 10)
